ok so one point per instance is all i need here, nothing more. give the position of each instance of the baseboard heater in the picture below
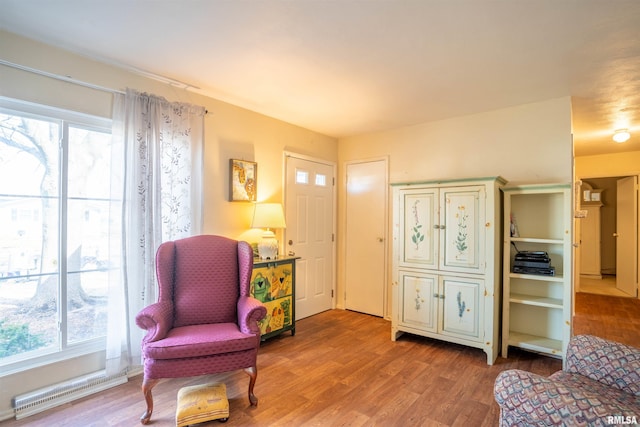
(49, 397)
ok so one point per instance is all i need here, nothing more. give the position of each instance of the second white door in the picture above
(365, 233)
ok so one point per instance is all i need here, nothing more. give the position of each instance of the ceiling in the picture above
(349, 67)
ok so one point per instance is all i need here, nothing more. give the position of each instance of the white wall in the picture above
(524, 144)
(230, 132)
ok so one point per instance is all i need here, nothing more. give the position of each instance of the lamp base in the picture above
(268, 246)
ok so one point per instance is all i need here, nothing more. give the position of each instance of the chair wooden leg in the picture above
(147, 385)
(253, 374)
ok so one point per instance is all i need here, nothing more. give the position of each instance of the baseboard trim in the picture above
(7, 414)
(49, 397)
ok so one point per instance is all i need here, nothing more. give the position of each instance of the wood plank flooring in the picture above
(610, 317)
(342, 369)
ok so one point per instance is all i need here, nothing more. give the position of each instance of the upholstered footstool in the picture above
(200, 403)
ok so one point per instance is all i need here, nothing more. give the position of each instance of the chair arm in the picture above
(528, 399)
(156, 319)
(611, 363)
(250, 312)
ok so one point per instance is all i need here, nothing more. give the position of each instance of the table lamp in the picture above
(269, 216)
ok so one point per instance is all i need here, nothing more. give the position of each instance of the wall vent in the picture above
(49, 397)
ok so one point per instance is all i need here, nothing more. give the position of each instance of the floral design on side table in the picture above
(273, 286)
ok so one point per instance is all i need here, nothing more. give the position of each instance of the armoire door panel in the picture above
(461, 306)
(419, 303)
(462, 215)
(418, 220)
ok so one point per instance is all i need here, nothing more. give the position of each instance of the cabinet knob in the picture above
(380, 239)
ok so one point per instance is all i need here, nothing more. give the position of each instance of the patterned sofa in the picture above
(599, 386)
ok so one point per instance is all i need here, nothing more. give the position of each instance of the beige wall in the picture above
(230, 132)
(604, 165)
(525, 144)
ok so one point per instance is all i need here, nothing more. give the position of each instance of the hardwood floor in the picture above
(614, 318)
(342, 369)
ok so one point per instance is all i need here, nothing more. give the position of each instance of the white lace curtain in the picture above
(157, 173)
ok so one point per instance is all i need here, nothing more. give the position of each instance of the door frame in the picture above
(334, 199)
(576, 259)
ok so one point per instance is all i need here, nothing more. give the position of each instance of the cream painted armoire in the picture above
(446, 261)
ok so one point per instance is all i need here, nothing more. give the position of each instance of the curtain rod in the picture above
(59, 77)
(69, 79)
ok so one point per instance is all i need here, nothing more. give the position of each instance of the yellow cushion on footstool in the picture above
(200, 403)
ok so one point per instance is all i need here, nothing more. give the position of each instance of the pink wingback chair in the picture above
(205, 320)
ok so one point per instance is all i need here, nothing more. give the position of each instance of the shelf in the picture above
(537, 240)
(556, 278)
(537, 307)
(535, 343)
(537, 301)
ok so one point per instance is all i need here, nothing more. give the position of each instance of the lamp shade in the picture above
(268, 215)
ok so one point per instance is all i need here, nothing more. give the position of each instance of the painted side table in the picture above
(273, 283)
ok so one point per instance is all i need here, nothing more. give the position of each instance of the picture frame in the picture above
(243, 180)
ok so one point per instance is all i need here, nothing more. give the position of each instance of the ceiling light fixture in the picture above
(621, 135)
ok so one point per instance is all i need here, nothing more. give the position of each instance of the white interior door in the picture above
(365, 234)
(626, 242)
(309, 210)
(590, 243)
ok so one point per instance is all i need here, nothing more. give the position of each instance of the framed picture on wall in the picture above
(243, 180)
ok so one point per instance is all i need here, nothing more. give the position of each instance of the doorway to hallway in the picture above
(609, 236)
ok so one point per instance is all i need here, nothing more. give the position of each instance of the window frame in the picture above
(65, 118)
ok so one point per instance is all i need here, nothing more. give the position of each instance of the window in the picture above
(302, 177)
(54, 243)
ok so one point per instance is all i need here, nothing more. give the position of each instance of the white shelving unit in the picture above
(537, 308)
